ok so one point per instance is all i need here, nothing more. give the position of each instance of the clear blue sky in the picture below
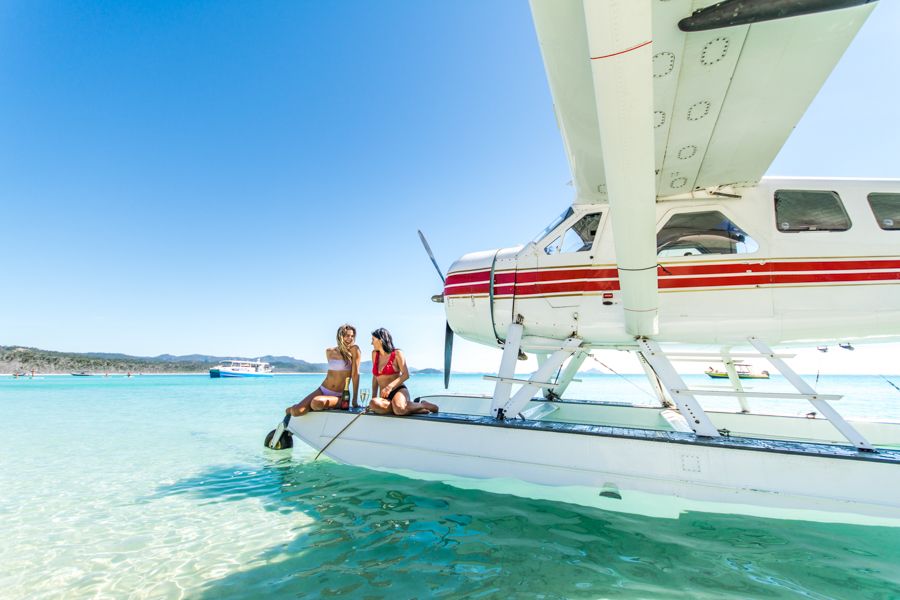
(238, 178)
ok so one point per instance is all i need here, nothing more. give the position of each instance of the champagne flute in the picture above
(364, 395)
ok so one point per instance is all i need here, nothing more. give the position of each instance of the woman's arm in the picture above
(354, 372)
(374, 377)
(404, 370)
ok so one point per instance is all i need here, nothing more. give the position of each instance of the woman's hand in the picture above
(386, 390)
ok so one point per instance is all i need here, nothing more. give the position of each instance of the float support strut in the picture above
(690, 409)
(567, 376)
(735, 380)
(507, 372)
(525, 393)
(846, 429)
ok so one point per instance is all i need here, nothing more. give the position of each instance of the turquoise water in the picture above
(158, 487)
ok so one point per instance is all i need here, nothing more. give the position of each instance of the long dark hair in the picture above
(387, 342)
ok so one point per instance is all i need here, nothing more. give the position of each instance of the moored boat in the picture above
(241, 368)
(743, 372)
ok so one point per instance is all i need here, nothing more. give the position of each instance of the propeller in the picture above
(448, 354)
(431, 255)
(448, 332)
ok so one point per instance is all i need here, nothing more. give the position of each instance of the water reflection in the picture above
(379, 535)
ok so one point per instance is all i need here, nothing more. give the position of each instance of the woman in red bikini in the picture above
(389, 374)
(343, 362)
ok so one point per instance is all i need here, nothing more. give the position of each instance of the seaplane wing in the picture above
(729, 81)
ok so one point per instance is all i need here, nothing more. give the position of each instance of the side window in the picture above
(810, 210)
(886, 208)
(577, 238)
(699, 233)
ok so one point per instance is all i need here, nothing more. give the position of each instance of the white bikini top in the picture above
(338, 364)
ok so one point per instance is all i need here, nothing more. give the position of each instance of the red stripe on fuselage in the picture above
(556, 281)
(468, 290)
(567, 286)
(470, 277)
(771, 267)
(765, 279)
(546, 275)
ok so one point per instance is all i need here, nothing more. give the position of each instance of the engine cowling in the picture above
(478, 294)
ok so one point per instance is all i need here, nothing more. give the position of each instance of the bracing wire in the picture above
(892, 384)
(604, 365)
(346, 427)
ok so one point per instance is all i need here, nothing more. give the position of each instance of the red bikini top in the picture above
(388, 366)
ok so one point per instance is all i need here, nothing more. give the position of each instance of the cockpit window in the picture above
(565, 215)
(699, 233)
(577, 238)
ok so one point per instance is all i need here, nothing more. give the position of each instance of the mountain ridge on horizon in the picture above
(24, 359)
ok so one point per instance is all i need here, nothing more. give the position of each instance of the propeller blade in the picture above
(448, 354)
(430, 254)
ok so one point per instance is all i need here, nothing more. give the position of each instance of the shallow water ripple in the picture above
(379, 535)
(158, 488)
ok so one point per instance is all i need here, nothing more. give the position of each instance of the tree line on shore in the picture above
(18, 359)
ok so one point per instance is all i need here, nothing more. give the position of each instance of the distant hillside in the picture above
(14, 359)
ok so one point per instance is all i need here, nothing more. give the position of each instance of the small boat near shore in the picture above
(743, 372)
(82, 374)
(241, 368)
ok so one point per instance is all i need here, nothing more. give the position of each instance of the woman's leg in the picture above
(380, 406)
(324, 402)
(402, 405)
(302, 407)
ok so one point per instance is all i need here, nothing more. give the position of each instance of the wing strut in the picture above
(620, 46)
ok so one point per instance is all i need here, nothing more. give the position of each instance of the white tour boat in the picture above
(241, 368)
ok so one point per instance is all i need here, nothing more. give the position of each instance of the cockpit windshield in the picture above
(565, 215)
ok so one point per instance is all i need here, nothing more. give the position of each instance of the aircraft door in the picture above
(502, 293)
(552, 282)
(714, 281)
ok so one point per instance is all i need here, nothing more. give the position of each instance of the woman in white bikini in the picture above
(343, 362)
(389, 374)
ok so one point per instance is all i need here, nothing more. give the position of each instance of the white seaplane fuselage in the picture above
(797, 287)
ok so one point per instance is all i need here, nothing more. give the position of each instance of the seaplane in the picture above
(675, 247)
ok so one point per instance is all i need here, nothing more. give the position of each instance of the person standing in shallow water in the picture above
(389, 375)
(343, 362)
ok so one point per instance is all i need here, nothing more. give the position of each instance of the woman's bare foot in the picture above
(295, 410)
(432, 408)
